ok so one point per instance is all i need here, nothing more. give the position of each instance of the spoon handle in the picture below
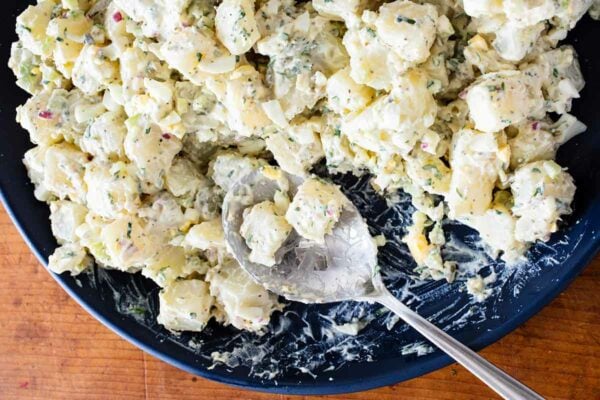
(498, 380)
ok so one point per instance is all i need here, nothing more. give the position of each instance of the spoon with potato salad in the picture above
(304, 240)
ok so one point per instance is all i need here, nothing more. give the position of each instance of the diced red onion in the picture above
(46, 114)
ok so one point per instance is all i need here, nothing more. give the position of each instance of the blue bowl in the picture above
(302, 353)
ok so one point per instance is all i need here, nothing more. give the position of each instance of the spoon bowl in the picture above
(341, 269)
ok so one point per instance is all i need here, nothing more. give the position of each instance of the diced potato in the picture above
(65, 217)
(42, 123)
(65, 55)
(561, 77)
(396, 121)
(150, 149)
(127, 244)
(164, 214)
(112, 189)
(480, 8)
(171, 264)
(477, 159)
(501, 99)
(242, 93)
(157, 19)
(34, 161)
(527, 13)
(235, 25)
(206, 235)
(94, 71)
(196, 54)
(389, 42)
(63, 172)
(340, 10)
(264, 230)
(74, 5)
(542, 192)
(514, 42)
(69, 258)
(299, 148)
(243, 303)
(372, 62)
(539, 140)
(315, 209)
(32, 25)
(346, 96)
(70, 26)
(185, 305)
(497, 227)
(105, 135)
(484, 57)
(183, 178)
(408, 28)
(228, 168)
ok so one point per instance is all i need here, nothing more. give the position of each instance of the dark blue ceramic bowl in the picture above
(301, 354)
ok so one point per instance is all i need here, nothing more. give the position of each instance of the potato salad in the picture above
(144, 113)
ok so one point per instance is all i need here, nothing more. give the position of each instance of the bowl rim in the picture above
(386, 378)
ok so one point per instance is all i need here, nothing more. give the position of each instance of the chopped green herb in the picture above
(434, 169)
(376, 270)
(137, 310)
(401, 18)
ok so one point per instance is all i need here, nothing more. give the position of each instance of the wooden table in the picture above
(51, 349)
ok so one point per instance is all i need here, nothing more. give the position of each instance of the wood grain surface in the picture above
(51, 349)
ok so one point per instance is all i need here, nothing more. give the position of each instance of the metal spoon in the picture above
(342, 269)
